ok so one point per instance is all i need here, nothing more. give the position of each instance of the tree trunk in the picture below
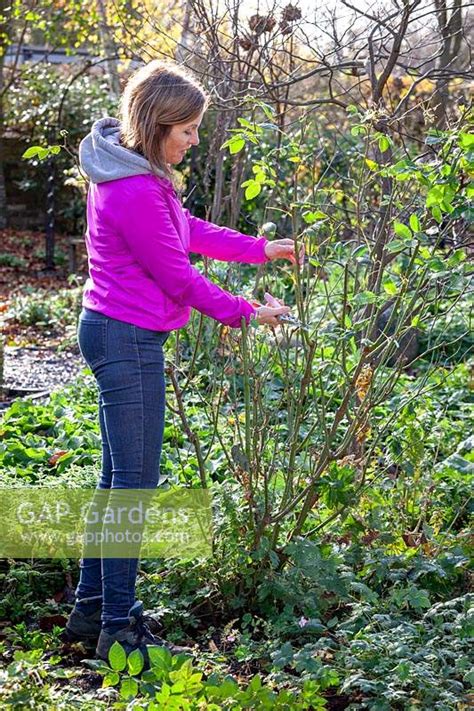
(188, 39)
(3, 194)
(451, 36)
(109, 47)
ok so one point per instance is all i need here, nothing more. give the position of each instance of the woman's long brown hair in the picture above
(156, 97)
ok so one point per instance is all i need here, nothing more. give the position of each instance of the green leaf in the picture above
(458, 463)
(364, 591)
(117, 657)
(402, 230)
(469, 677)
(425, 253)
(236, 145)
(247, 124)
(446, 206)
(135, 662)
(250, 137)
(466, 140)
(129, 688)
(400, 177)
(110, 679)
(310, 217)
(159, 657)
(457, 258)
(435, 195)
(418, 599)
(415, 223)
(256, 683)
(364, 297)
(390, 287)
(437, 214)
(268, 110)
(372, 164)
(403, 671)
(32, 151)
(384, 144)
(360, 250)
(55, 150)
(252, 190)
(396, 245)
(433, 139)
(162, 696)
(98, 665)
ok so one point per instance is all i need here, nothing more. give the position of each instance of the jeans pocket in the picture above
(92, 339)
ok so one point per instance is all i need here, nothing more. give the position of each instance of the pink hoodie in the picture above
(138, 240)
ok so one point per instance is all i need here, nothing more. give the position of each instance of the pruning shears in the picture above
(293, 321)
(286, 318)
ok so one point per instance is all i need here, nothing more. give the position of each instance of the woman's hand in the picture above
(268, 315)
(284, 249)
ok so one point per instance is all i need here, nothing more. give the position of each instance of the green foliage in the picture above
(174, 683)
(56, 113)
(425, 662)
(40, 152)
(20, 636)
(27, 680)
(341, 470)
(34, 434)
(27, 590)
(11, 260)
(41, 308)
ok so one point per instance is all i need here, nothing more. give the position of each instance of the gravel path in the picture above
(40, 368)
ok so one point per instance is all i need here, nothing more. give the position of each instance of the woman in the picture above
(142, 286)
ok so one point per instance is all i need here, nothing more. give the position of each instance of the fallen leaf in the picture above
(53, 460)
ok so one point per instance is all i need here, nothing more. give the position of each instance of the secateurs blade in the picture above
(293, 321)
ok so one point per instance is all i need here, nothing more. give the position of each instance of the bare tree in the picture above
(4, 33)
(450, 24)
(295, 65)
(109, 48)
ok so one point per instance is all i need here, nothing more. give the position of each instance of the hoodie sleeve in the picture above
(151, 236)
(223, 243)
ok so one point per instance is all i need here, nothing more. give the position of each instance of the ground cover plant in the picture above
(356, 611)
(339, 448)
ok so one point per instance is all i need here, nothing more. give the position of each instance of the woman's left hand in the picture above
(284, 249)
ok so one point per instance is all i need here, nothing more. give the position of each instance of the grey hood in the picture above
(102, 157)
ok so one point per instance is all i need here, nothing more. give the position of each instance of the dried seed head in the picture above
(246, 43)
(262, 23)
(291, 13)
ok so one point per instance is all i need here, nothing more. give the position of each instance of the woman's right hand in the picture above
(268, 314)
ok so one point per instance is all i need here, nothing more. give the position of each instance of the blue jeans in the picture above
(128, 364)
